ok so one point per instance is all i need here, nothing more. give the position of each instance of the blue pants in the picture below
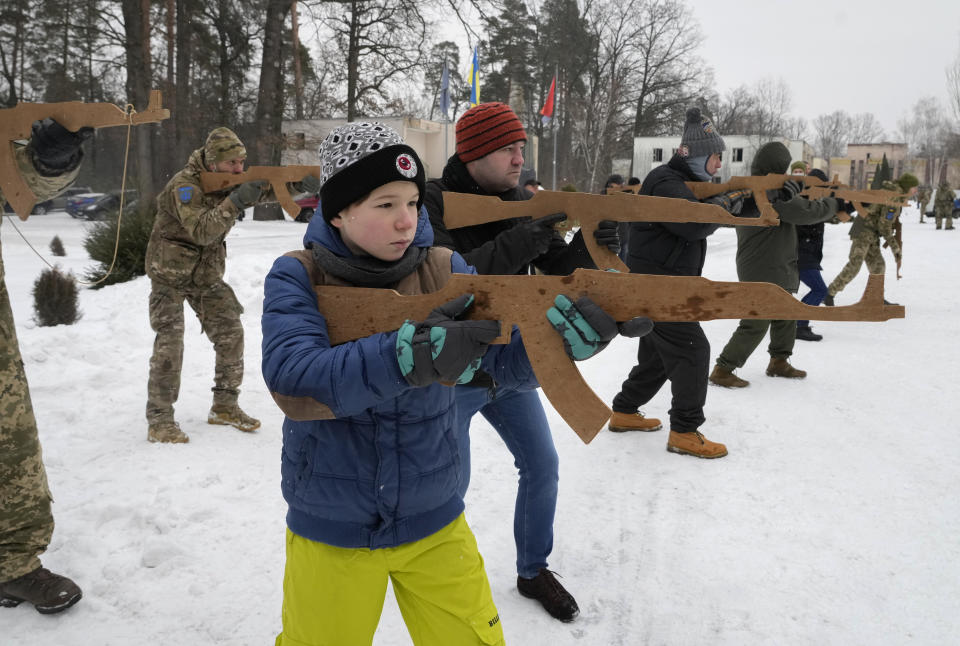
(813, 279)
(522, 424)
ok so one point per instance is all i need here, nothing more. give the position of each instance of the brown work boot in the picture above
(168, 432)
(780, 367)
(695, 444)
(232, 416)
(723, 377)
(48, 592)
(621, 422)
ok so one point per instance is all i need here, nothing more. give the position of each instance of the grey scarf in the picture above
(367, 271)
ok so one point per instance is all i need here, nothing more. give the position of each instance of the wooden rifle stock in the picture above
(355, 312)
(586, 210)
(277, 176)
(16, 123)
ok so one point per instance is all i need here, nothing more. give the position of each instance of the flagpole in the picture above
(554, 124)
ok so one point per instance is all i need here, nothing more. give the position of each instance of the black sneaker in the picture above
(554, 597)
(804, 333)
(48, 592)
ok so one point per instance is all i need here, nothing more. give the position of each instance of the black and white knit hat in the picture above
(700, 138)
(356, 158)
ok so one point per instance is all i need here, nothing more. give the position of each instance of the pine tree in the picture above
(883, 174)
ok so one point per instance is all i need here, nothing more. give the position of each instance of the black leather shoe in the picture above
(804, 333)
(554, 597)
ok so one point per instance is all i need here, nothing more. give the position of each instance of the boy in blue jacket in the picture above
(370, 466)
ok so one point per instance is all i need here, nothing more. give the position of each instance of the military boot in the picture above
(232, 416)
(168, 432)
(48, 592)
(806, 333)
(723, 377)
(621, 422)
(780, 367)
(695, 444)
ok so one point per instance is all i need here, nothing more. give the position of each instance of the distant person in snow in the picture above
(186, 259)
(48, 164)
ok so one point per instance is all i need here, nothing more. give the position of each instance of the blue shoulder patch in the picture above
(186, 193)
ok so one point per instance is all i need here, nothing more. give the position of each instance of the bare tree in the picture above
(383, 40)
(926, 132)
(864, 129)
(831, 134)
(270, 98)
(953, 86)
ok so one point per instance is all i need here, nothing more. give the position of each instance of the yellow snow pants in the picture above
(333, 596)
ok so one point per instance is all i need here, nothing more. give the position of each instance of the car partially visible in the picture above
(76, 202)
(308, 205)
(933, 199)
(56, 203)
(107, 204)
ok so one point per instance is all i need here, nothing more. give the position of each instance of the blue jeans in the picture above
(522, 424)
(818, 290)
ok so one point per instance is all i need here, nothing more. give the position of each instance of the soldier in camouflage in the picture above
(48, 164)
(943, 206)
(866, 232)
(186, 258)
(923, 198)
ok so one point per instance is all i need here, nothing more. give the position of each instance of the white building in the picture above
(650, 152)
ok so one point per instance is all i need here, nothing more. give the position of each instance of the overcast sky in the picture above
(854, 55)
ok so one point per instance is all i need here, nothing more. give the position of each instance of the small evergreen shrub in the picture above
(56, 247)
(570, 188)
(101, 238)
(55, 298)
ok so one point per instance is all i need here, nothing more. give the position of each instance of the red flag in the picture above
(547, 110)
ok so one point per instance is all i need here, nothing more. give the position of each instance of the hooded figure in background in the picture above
(769, 254)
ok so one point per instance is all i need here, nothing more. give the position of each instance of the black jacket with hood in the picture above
(670, 248)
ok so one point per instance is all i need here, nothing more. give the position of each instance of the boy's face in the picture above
(383, 224)
(500, 170)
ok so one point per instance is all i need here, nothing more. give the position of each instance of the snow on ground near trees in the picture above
(834, 520)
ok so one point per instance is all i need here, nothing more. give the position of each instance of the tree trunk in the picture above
(136, 26)
(353, 62)
(297, 72)
(269, 113)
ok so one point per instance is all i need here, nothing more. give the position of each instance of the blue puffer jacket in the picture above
(383, 468)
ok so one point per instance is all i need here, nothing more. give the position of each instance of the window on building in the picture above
(658, 154)
(737, 155)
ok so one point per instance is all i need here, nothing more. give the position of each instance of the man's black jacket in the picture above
(496, 247)
(671, 248)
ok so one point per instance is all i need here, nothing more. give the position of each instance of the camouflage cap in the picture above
(223, 144)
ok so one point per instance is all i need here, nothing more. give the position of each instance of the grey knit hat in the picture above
(356, 158)
(700, 138)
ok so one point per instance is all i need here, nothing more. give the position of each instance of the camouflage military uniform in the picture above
(923, 198)
(26, 522)
(865, 233)
(943, 206)
(186, 259)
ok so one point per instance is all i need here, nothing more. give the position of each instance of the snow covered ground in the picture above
(834, 520)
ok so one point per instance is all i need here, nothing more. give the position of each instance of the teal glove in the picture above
(442, 348)
(587, 329)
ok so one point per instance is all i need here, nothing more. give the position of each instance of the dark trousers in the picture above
(749, 334)
(679, 352)
(813, 279)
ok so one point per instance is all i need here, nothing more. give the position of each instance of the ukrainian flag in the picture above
(474, 75)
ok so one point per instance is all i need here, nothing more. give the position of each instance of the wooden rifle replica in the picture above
(463, 210)
(16, 122)
(356, 312)
(277, 176)
(586, 210)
